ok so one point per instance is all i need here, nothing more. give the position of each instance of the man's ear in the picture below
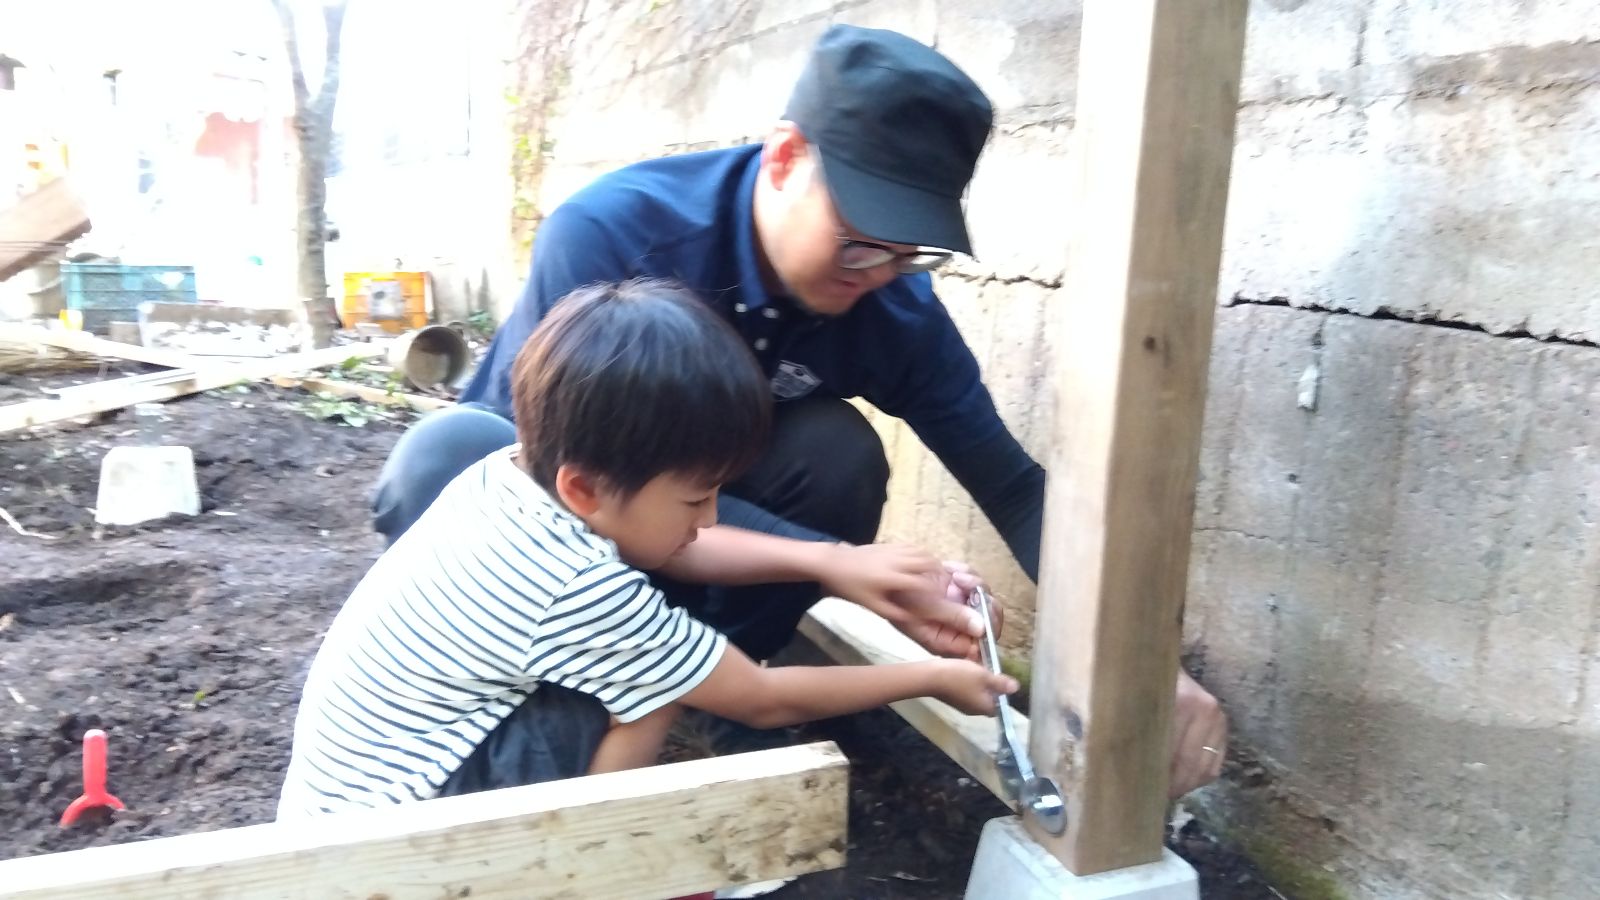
(577, 490)
(782, 154)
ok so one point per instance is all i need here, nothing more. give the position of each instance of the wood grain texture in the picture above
(1158, 94)
(646, 833)
(852, 635)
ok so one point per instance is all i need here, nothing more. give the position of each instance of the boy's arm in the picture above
(761, 697)
(902, 584)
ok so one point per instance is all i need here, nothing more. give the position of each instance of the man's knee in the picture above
(834, 460)
(427, 457)
(848, 455)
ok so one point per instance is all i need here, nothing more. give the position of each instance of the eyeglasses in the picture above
(857, 255)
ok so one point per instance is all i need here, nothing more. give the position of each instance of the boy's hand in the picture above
(873, 574)
(972, 688)
(925, 598)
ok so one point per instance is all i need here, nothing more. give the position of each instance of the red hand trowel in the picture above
(94, 779)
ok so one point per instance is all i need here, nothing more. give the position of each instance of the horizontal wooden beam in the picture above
(89, 345)
(117, 394)
(851, 635)
(647, 833)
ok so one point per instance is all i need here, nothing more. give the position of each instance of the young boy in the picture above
(510, 637)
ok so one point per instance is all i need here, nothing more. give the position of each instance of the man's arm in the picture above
(877, 576)
(940, 394)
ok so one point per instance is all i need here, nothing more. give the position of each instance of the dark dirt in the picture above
(186, 641)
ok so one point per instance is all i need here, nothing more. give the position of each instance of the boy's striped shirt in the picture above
(495, 589)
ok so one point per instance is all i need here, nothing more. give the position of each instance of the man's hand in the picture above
(913, 590)
(939, 629)
(1199, 737)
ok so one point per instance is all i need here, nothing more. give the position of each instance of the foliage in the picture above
(326, 407)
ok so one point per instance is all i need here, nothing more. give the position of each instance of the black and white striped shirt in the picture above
(495, 589)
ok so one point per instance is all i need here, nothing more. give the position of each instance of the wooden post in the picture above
(1158, 90)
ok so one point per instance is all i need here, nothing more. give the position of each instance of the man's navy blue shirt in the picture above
(690, 218)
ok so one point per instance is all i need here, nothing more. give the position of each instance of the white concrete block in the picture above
(1011, 866)
(138, 484)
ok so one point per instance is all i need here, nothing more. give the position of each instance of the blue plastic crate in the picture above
(112, 292)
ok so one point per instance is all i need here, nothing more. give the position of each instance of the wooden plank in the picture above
(116, 396)
(364, 392)
(89, 345)
(38, 224)
(646, 833)
(852, 635)
(1158, 94)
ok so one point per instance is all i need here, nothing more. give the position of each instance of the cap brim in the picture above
(892, 212)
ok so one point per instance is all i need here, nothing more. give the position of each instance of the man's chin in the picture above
(829, 305)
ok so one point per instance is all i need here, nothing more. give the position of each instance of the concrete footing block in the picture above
(1011, 866)
(138, 484)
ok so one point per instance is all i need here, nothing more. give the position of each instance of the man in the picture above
(816, 245)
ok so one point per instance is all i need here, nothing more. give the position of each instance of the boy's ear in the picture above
(577, 490)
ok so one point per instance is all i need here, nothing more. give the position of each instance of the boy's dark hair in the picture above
(633, 380)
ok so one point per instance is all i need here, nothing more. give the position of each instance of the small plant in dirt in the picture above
(356, 371)
(481, 323)
(328, 408)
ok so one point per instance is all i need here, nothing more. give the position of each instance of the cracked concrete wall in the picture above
(1397, 592)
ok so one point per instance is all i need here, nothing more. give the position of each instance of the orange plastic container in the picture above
(398, 301)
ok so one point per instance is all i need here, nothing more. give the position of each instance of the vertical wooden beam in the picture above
(1157, 95)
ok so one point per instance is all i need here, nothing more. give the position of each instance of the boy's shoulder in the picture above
(495, 513)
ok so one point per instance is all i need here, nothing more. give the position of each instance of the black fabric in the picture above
(825, 477)
(900, 128)
(552, 735)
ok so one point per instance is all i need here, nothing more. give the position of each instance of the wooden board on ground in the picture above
(115, 395)
(852, 635)
(365, 393)
(1157, 100)
(89, 345)
(647, 833)
(38, 225)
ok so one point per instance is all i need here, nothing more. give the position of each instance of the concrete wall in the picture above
(1395, 591)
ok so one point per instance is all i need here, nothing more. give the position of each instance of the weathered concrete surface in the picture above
(1394, 590)
(1397, 594)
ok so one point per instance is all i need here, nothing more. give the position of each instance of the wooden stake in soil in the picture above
(1158, 93)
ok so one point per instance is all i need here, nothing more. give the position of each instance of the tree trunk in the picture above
(311, 230)
(313, 128)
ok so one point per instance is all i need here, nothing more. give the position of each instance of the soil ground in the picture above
(187, 640)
